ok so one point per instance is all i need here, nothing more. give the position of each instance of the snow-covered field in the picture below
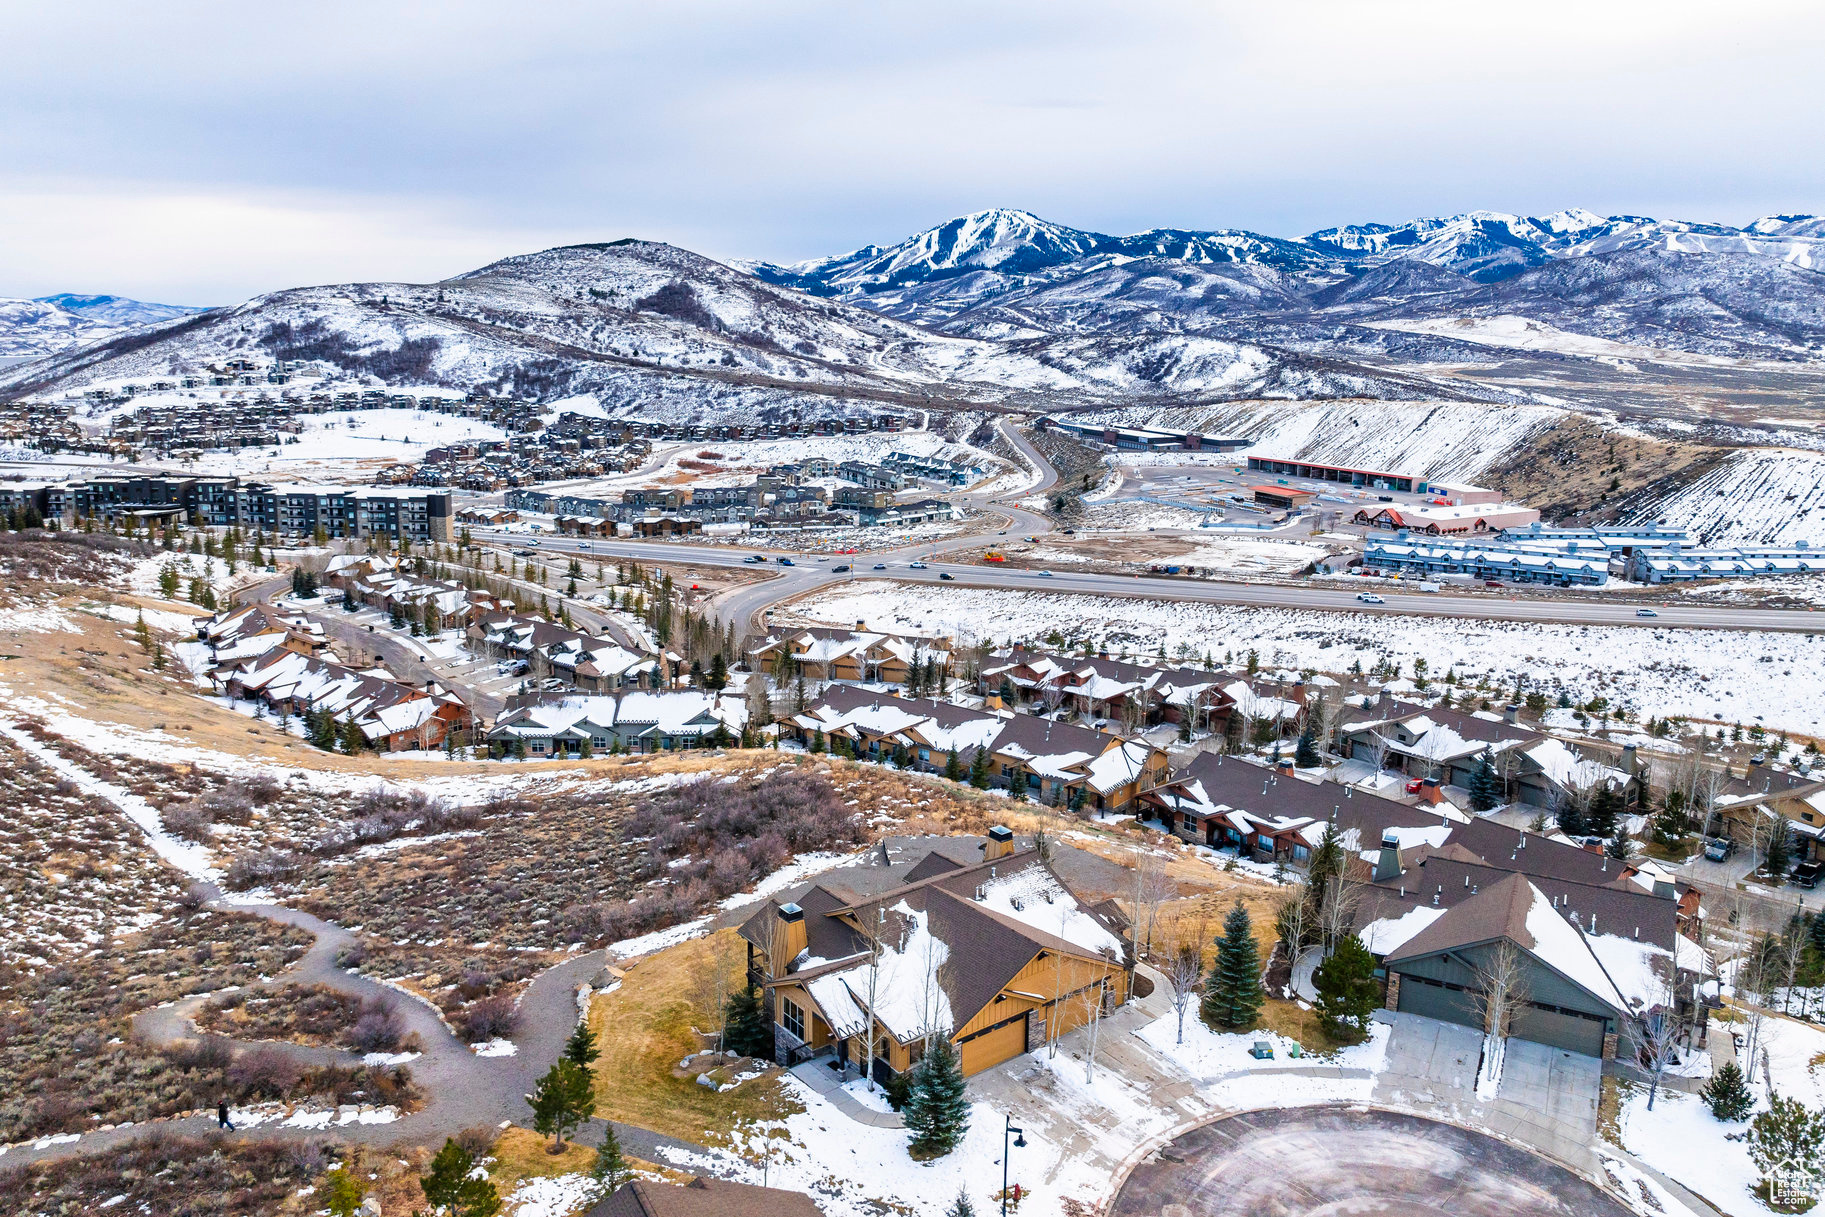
(1219, 553)
(331, 444)
(1683, 1140)
(1727, 675)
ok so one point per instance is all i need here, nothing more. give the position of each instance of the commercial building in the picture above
(339, 511)
(1372, 479)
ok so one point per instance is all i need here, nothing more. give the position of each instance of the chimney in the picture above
(1429, 791)
(1000, 843)
(1387, 863)
(1630, 759)
(789, 938)
(1511, 713)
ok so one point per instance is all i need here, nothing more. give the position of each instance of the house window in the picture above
(792, 1018)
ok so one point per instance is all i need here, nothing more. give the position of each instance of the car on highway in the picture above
(944, 575)
(584, 545)
(787, 562)
(1646, 612)
(754, 558)
(880, 566)
(1370, 598)
(1045, 574)
(917, 565)
(840, 570)
(535, 544)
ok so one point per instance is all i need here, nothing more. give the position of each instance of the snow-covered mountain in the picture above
(49, 324)
(1486, 246)
(653, 329)
(117, 311)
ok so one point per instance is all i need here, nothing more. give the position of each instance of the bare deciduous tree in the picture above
(1184, 972)
(1658, 1030)
(1152, 887)
(1339, 901)
(1501, 993)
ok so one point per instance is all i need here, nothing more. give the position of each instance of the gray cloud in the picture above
(203, 152)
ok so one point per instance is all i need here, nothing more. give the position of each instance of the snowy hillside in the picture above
(117, 310)
(30, 328)
(1759, 495)
(1444, 440)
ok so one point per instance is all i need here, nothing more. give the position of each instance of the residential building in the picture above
(856, 656)
(982, 943)
(562, 724)
(703, 1197)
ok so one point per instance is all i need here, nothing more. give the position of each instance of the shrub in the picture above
(258, 870)
(191, 821)
(489, 1019)
(378, 1027)
(264, 1073)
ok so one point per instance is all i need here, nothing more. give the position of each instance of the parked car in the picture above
(944, 575)
(522, 553)
(1492, 583)
(1386, 498)
(1806, 874)
(1719, 848)
(551, 684)
(1646, 613)
(1370, 598)
(840, 570)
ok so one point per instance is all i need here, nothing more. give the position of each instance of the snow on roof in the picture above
(1386, 935)
(1034, 898)
(1253, 705)
(909, 1001)
(831, 992)
(1568, 769)
(1560, 945)
(1117, 766)
(1636, 968)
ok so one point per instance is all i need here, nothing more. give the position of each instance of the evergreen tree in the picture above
(817, 740)
(610, 1169)
(1017, 783)
(744, 1025)
(341, 1192)
(953, 767)
(1815, 931)
(979, 769)
(1619, 845)
(562, 1099)
(353, 741)
(1346, 990)
(1786, 1137)
(1571, 820)
(142, 632)
(937, 1113)
(1727, 1094)
(1232, 989)
(1485, 784)
(719, 673)
(450, 1189)
(961, 1207)
(1601, 821)
(1780, 852)
(580, 1048)
(1306, 756)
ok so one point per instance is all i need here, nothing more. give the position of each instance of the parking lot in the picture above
(1228, 487)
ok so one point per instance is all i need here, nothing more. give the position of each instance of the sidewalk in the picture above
(816, 1074)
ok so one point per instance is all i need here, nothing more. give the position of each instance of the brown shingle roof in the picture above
(703, 1198)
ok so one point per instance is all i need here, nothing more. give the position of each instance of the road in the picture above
(807, 573)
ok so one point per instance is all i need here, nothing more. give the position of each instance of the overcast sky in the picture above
(200, 153)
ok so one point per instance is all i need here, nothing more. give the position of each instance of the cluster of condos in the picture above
(783, 496)
(229, 502)
(1643, 553)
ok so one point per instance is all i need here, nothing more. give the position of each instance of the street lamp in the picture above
(1020, 1142)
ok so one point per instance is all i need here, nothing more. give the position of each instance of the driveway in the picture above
(1547, 1097)
(1323, 1161)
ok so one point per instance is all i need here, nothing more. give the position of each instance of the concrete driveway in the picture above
(1323, 1161)
(1547, 1097)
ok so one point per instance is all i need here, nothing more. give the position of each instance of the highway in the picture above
(744, 604)
(808, 574)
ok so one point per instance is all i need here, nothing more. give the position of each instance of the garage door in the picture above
(1561, 1029)
(996, 1045)
(1417, 996)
